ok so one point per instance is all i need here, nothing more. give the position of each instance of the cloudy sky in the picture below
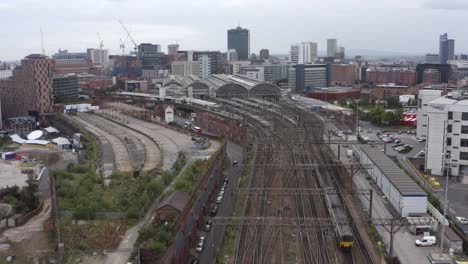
(411, 26)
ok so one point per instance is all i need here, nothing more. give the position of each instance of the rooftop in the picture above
(177, 200)
(402, 182)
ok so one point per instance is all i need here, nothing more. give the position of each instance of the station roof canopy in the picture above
(173, 80)
(402, 181)
(239, 85)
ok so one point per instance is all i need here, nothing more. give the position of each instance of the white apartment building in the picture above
(424, 98)
(294, 54)
(99, 57)
(307, 52)
(447, 133)
(185, 68)
(234, 67)
(204, 70)
(231, 55)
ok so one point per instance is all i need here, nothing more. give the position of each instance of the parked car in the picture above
(462, 220)
(221, 193)
(214, 211)
(421, 139)
(195, 261)
(199, 249)
(197, 129)
(207, 226)
(426, 241)
(219, 199)
(201, 241)
(226, 180)
(235, 163)
(187, 125)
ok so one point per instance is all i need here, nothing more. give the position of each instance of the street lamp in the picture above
(446, 166)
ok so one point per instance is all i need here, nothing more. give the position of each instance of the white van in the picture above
(426, 241)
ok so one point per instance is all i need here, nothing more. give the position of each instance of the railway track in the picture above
(275, 168)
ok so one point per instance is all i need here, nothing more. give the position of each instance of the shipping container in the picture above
(9, 155)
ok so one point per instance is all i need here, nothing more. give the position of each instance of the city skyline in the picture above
(193, 27)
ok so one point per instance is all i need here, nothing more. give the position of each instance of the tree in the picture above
(388, 117)
(375, 115)
(343, 102)
(364, 102)
(393, 102)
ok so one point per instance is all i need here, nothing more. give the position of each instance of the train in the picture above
(342, 229)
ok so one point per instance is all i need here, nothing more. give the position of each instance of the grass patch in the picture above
(186, 183)
(79, 188)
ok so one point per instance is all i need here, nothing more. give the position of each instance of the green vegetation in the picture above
(23, 200)
(4, 141)
(80, 189)
(186, 182)
(431, 198)
(155, 238)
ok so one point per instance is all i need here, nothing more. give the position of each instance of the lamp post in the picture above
(446, 157)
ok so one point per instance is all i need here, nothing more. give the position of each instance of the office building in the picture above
(99, 58)
(65, 86)
(340, 54)
(234, 67)
(431, 58)
(253, 72)
(384, 91)
(72, 62)
(444, 69)
(204, 64)
(269, 72)
(425, 96)
(431, 76)
(343, 74)
(29, 90)
(239, 39)
(447, 133)
(125, 66)
(185, 68)
(231, 55)
(151, 57)
(216, 59)
(331, 48)
(446, 49)
(461, 57)
(294, 54)
(264, 54)
(305, 77)
(307, 52)
(172, 49)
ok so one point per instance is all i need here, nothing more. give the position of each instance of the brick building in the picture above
(29, 90)
(342, 74)
(391, 75)
(384, 91)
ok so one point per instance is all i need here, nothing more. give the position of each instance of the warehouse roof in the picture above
(177, 200)
(402, 182)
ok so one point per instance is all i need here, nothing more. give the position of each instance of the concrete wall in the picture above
(435, 141)
(413, 205)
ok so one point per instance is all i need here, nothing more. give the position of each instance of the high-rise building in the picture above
(148, 48)
(172, 49)
(294, 54)
(269, 72)
(446, 48)
(239, 39)
(424, 97)
(231, 55)
(29, 90)
(340, 54)
(65, 86)
(331, 48)
(305, 77)
(204, 63)
(264, 54)
(99, 57)
(307, 52)
(432, 58)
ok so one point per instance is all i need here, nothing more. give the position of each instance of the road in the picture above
(216, 235)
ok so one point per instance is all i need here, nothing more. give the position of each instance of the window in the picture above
(449, 128)
(419, 103)
(464, 143)
(464, 129)
(449, 141)
(463, 155)
(450, 115)
(465, 116)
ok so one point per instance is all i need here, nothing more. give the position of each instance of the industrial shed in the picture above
(403, 193)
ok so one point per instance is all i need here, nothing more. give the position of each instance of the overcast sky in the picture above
(411, 26)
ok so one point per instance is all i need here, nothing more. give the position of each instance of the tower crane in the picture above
(130, 37)
(122, 45)
(101, 44)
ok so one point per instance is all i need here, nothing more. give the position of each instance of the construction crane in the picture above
(101, 44)
(130, 36)
(122, 45)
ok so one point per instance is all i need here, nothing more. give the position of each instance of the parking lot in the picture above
(11, 175)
